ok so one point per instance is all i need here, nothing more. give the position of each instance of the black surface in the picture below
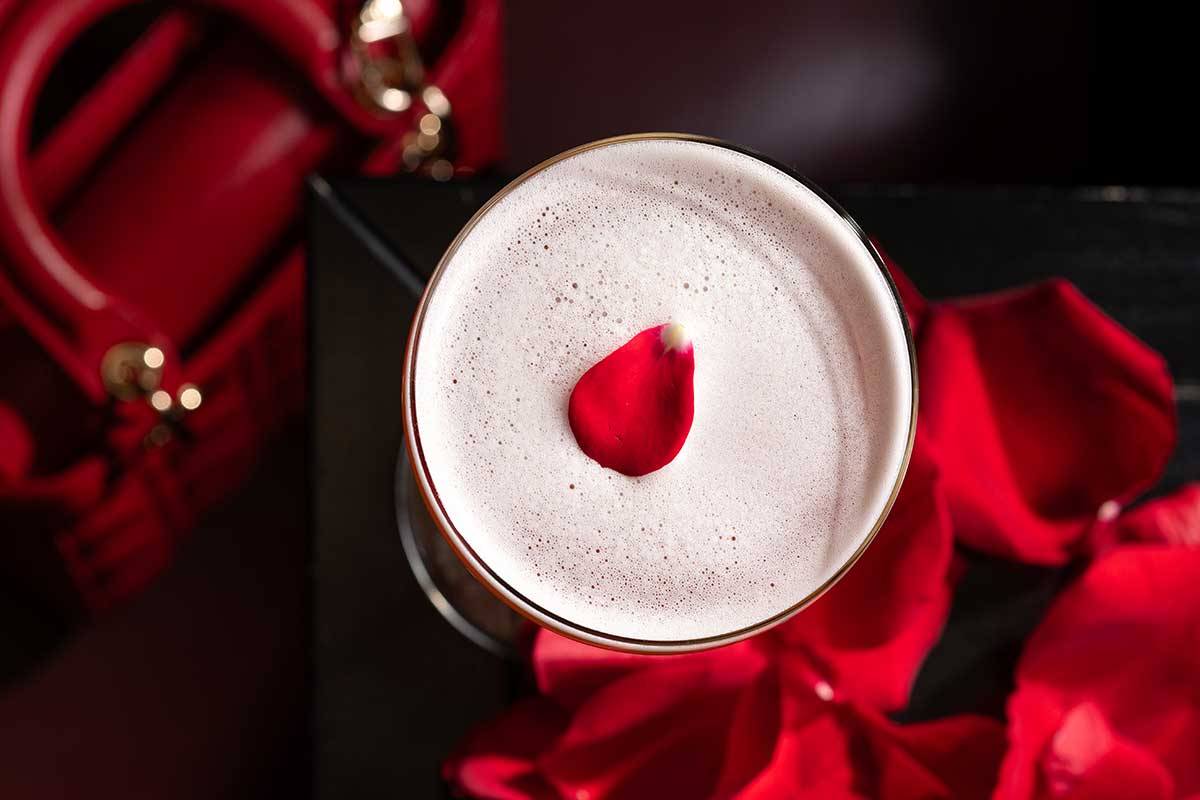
(396, 687)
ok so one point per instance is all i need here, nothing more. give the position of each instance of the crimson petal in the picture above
(955, 757)
(632, 411)
(570, 672)
(1174, 519)
(832, 750)
(1107, 685)
(497, 760)
(657, 732)
(1043, 409)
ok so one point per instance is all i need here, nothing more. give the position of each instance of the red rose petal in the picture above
(570, 672)
(497, 760)
(869, 634)
(1086, 759)
(1082, 740)
(730, 723)
(1120, 648)
(632, 411)
(657, 732)
(1174, 519)
(956, 757)
(832, 750)
(812, 758)
(753, 734)
(1043, 410)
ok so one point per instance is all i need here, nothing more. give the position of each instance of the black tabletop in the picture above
(395, 686)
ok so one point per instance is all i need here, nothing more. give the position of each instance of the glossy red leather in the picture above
(164, 210)
(232, 187)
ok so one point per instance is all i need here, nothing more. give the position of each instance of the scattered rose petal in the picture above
(1086, 759)
(753, 734)
(1174, 519)
(1107, 688)
(569, 671)
(1043, 410)
(498, 759)
(956, 757)
(661, 731)
(695, 727)
(632, 411)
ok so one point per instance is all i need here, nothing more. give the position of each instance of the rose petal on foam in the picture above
(1043, 409)
(498, 759)
(869, 634)
(632, 411)
(1106, 698)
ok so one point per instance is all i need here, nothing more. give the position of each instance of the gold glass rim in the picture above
(510, 595)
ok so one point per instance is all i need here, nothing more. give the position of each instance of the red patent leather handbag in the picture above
(151, 272)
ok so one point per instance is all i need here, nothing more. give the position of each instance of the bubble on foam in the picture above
(802, 389)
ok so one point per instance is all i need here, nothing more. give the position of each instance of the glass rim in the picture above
(509, 594)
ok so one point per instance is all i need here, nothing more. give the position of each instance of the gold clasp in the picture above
(392, 79)
(389, 64)
(133, 371)
(130, 370)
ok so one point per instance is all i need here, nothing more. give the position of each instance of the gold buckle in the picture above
(392, 79)
(133, 371)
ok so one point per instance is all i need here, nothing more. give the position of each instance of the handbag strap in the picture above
(108, 347)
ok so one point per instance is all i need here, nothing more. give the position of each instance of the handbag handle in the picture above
(107, 346)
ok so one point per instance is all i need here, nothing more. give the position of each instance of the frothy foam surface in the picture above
(802, 387)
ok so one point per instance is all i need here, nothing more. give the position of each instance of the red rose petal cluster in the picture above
(725, 725)
(1040, 420)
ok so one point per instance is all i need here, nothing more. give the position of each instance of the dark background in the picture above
(942, 91)
(868, 90)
